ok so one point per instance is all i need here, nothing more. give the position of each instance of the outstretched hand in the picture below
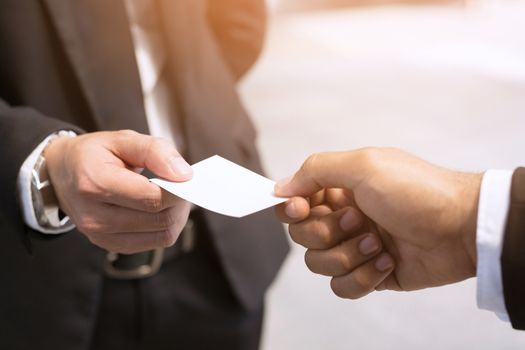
(377, 219)
(116, 208)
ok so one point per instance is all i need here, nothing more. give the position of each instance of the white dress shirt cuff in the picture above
(25, 176)
(493, 207)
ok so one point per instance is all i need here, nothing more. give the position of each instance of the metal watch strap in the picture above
(45, 203)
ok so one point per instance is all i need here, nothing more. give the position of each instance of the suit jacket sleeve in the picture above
(21, 130)
(513, 254)
(239, 26)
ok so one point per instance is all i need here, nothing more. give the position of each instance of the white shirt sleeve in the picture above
(493, 208)
(25, 176)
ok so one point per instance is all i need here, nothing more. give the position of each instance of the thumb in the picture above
(325, 170)
(155, 154)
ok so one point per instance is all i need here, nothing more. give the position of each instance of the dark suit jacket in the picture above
(71, 65)
(513, 255)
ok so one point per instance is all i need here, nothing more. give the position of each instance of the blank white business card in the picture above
(224, 187)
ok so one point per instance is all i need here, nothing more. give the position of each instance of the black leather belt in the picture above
(146, 264)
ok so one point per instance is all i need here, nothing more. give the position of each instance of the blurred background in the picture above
(442, 79)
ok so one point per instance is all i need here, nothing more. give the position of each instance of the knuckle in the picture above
(103, 243)
(324, 238)
(127, 133)
(338, 289)
(312, 234)
(371, 157)
(85, 186)
(153, 204)
(361, 282)
(89, 185)
(112, 244)
(155, 144)
(165, 238)
(165, 219)
(89, 226)
(295, 233)
(158, 142)
(310, 161)
(94, 239)
(309, 260)
(344, 260)
(125, 249)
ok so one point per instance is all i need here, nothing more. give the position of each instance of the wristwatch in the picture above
(45, 203)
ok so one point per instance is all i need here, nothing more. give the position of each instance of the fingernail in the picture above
(179, 166)
(384, 263)
(291, 210)
(348, 221)
(281, 184)
(368, 245)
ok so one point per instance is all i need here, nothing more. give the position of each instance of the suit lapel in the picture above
(216, 123)
(214, 118)
(96, 38)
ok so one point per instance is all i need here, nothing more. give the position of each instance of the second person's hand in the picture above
(378, 219)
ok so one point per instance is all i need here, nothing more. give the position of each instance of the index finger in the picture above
(327, 170)
(128, 189)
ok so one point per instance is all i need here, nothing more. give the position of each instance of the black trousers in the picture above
(187, 305)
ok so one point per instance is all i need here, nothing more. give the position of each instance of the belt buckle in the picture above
(142, 271)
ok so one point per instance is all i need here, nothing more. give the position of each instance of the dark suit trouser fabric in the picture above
(187, 305)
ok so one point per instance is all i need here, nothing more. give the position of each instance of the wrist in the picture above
(55, 154)
(469, 199)
(54, 149)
